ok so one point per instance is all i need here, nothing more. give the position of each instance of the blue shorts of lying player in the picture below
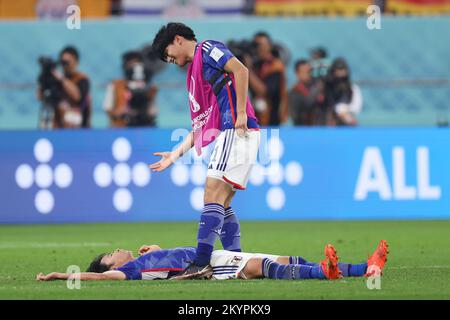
(156, 263)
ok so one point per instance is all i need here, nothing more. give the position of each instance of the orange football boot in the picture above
(330, 263)
(376, 261)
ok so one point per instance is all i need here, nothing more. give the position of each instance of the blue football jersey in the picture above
(160, 264)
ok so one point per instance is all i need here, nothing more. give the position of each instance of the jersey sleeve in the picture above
(216, 54)
(130, 271)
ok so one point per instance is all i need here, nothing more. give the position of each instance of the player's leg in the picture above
(215, 195)
(253, 268)
(229, 169)
(268, 268)
(231, 230)
(235, 170)
(211, 220)
(347, 269)
(376, 262)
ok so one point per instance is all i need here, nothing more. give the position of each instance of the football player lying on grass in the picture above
(157, 263)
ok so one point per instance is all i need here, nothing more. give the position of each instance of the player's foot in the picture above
(376, 261)
(330, 263)
(194, 272)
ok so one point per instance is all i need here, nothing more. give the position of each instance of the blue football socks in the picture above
(274, 270)
(211, 222)
(347, 269)
(231, 232)
(353, 270)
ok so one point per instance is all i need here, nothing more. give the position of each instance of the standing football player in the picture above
(217, 83)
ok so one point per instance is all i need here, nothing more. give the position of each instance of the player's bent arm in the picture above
(84, 276)
(71, 89)
(241, 76)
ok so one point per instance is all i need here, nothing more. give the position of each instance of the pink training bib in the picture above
(205, 110)
(205, 114)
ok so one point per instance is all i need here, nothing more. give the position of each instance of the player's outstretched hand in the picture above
(165, 162)
(43, 277)
(146, 249)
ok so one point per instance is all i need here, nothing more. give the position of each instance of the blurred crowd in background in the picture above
(65, 96)
(323, 93)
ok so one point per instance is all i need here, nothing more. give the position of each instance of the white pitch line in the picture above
(53, 245)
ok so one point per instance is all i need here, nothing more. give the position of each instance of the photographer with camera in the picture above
(65, 96)
(267, 81)
(343, 97)
(306, 96)
(129, 102)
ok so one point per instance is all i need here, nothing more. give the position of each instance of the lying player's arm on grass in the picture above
(169, 158)
(148, 248)
(240, 73)
(84, 276)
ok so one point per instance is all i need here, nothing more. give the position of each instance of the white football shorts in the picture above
(228, 264)
(233, 157)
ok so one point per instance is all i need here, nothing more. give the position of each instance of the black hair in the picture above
(166, 35)
(72, 51)
(97, 265)
(263, 34)
(132, 55)
(299, 63)
(339, 63)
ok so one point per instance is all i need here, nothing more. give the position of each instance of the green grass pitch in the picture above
(418, 266)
